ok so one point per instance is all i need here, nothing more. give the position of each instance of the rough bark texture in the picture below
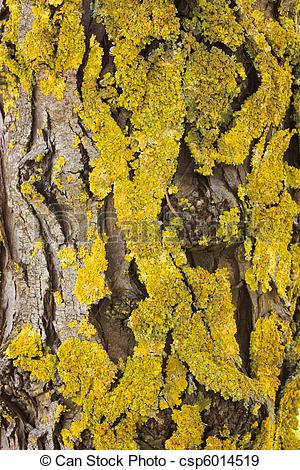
(149, 182)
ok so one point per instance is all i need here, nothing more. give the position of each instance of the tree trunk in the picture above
(149, 250)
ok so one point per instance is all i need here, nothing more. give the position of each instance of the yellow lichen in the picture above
(271, 258)
(214, 443)
(267, 347)
(60, 409)
(86, 371)
(53, 44)
(167, 83)
(272, 212)
(297, 431)
(106, 133)
(27, 343)
(206, 342)
(67, 257)
(190, 428)
(57, 298)
(219, 24)
(287, 436)
(39, 158)
(69, 49)
(122, 436)
(29, 190)
(229, 225)
(57, 169)
(266, 435)
(26, 352)
(86, 329)
(176, 382)
(90, 284)
(211, 77)
(263, 109)
(72, 324)
(266, 180)
(39, 245)
(5, 413)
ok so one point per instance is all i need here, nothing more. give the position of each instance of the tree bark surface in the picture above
(164, 134)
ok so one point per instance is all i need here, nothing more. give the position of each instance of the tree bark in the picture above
(116, 120)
